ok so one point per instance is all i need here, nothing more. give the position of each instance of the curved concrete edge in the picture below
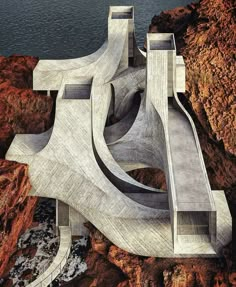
(116, 131)
(129, 166)
(146, 139)
(143, 53)
(101, 94)
(47, 77)
(58, 262)
(104, 198)
(213, 212)
(125, 86)
(70, 64)
(28, 144)
(79, 108)
(194, 130)
(140, 134)
(101, 97)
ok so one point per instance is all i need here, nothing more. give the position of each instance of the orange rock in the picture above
(152, 177)
(16, 209)
(124, 284)
(21, 109)
(220, 280)
(179, 277)
(232, 278)
(99, 242)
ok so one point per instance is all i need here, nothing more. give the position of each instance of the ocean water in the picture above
(56, 29)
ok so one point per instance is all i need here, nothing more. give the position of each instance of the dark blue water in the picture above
(67, 28)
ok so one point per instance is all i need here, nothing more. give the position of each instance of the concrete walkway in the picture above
(58, 262)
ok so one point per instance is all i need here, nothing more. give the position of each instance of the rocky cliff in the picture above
(105, 262)
(21, 111)
(16, 209)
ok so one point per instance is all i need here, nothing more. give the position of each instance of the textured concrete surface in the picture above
(82, 162)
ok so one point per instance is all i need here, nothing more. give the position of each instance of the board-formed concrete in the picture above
(82, 161)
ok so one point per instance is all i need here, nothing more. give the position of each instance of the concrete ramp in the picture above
(193, 211)
(191, 183)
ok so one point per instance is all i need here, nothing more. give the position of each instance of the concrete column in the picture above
(123, 13)
(62, 214)
(160, 76)
(180, 75)
(212, 228)
(77, 221)
(131, 34)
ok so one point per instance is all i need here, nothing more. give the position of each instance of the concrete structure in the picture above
(82, 162)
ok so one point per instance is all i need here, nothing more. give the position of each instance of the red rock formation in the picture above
(100, 273)
(99, 243)
(16, 209)
(27, 252)
(138, 271)
(21, 109)
(152, 177)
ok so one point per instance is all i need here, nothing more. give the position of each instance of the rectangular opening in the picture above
(161, 45)
(121, 15)
(77, 91)
(121, 12)
(192, 223)
(161, 41)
